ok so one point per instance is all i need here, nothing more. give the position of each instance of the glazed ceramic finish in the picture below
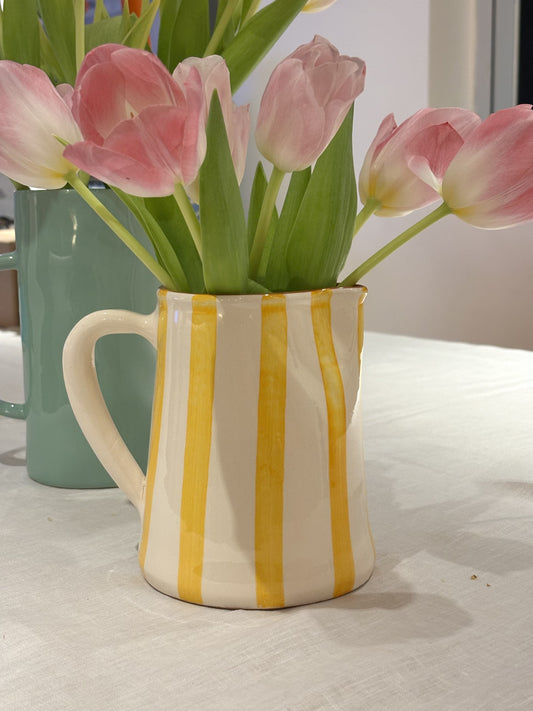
(70, 264)
(255, 492)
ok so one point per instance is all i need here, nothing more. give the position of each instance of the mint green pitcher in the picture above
(70, 264)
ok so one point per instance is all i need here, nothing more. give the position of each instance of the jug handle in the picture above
(86, 397)
(11, 409)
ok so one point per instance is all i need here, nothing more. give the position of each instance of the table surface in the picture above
(445, 622)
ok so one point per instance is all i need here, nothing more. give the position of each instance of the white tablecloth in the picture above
(446, 621)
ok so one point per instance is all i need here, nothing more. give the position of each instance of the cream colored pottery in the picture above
(255, 492)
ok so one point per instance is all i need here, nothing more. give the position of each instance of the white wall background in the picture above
(453, 281)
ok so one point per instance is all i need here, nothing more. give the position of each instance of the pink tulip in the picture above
(489, 183)
(32, 114)
(317, 5)
(215, 76)
(66, 92)
(305, 102)
(143, 132)
(427, 142)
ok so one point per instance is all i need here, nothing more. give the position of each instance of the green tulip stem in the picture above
(79, 29)
(265, 217)
(187, 210)
(254, 6)
(121, 232)
(353, 278)
(369, 208)
(221, 26)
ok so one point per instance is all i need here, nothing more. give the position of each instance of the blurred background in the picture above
(452, 282)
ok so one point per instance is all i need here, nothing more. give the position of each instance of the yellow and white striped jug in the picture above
(255, 492)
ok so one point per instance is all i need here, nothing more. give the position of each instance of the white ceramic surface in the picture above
(255, 494)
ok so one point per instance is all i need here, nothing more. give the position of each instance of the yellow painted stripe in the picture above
(360, 340)
(271, 453)
(156, 423)
(360, 327)
(197, 447)
(343, 561)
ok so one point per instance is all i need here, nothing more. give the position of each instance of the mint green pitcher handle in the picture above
(11, 409)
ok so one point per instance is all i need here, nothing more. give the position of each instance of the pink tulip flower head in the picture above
(305, 102)
(215, 75)
(489, 183)
(143, 132)
(428, 141)
(32, 114)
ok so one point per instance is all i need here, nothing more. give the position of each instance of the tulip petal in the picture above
(32, 114)
(366, 175)
(286, 137)
(99, 103)
(130, 106)
(499, 213)
(213, 74)
(404, 165)
(317, 5)
(98, 55)
(130, 174)
(159, 147)
(176, 139)
(119, 86)
(306, 100)
(145, 75)
(238, 139)
(66, 92)
(431, 151)
(489, 183)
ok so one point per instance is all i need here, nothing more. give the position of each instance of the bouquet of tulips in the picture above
(165, 141)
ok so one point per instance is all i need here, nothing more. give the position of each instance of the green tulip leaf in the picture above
(100, 12)
(164, 250)
(2, 55)
(257, 197)
(257, 36)
(255, 288)
(49, 63)
(59, 25)
(139, 33)
(168, 25)
(126, 19)
(274, 219)
(224, 234)
(322, 233)
(107, 30)
(20, 32)
(229, 30)
(184, 30)
(246, 5)
(256, 200)
(126, 29)
(273, 270)
(169, 217)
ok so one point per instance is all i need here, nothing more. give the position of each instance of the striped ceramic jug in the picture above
(255, 494)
